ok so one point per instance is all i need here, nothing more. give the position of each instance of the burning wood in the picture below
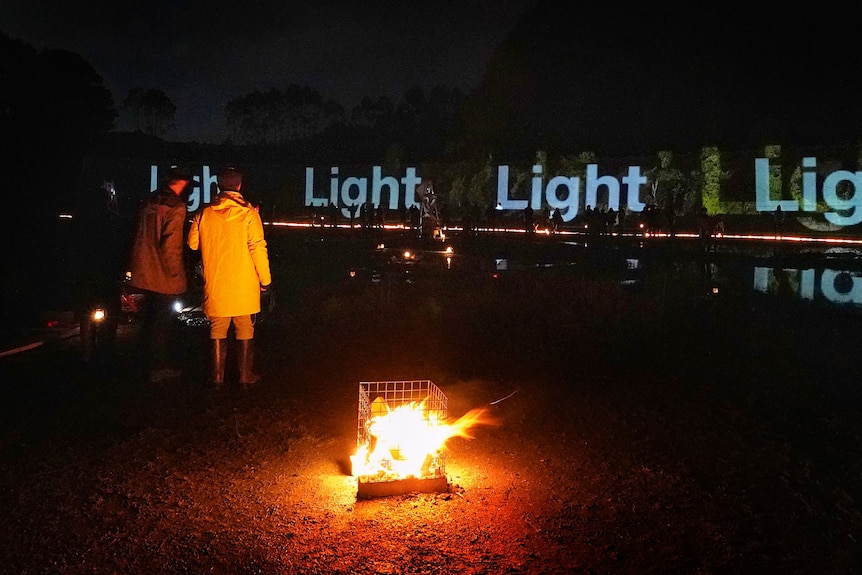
(402, 432)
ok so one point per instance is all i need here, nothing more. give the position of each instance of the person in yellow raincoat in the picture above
(235, 262)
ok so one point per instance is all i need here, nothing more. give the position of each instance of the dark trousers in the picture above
(156, 316)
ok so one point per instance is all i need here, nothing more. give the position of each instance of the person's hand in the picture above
(267, 298)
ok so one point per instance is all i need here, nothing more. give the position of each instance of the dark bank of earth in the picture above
(647, 429)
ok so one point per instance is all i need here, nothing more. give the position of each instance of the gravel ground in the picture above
(638, 428)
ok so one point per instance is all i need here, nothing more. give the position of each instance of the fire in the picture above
(407, 440)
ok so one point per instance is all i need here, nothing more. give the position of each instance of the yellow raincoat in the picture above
(229, 235)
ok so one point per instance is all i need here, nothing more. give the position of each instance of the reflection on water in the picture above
(820, 285)
(820, 279)
(829, 277)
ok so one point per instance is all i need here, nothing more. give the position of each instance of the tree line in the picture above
(56, 110)
(56, 107)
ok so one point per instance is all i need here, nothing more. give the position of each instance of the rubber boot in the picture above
(218, 359)
(247, 376)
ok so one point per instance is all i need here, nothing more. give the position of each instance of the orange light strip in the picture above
(661, 235)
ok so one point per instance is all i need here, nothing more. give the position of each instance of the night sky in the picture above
(650, 76)
(204, 54)
(605, 75)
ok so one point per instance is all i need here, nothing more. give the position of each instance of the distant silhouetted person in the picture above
(414, 217)
(622, 216)
(670, 214)
(491, 216)
(380, 216)
(595, 221)
(651, 218)
(529, 225)
(332, 214)
(588, 218)
(706, 229)
(601, 217)
(778, 221)
(366, 214)
(556, 221)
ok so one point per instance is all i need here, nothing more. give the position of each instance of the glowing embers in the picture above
(402, 431)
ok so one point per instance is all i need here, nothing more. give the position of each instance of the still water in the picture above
(830, 278)
(822, 275)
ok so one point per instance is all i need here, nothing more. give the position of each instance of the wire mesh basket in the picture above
(379, 399)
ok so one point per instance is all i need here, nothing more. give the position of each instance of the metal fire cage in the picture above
(374, 398)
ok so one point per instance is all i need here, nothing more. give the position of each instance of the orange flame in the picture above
(407, 441)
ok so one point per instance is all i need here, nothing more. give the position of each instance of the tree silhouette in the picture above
(53, 109)
(373, 113)
(280, 116)
(152, 110)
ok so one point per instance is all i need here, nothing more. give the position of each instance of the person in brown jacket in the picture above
(235, 261)
(157, 268)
